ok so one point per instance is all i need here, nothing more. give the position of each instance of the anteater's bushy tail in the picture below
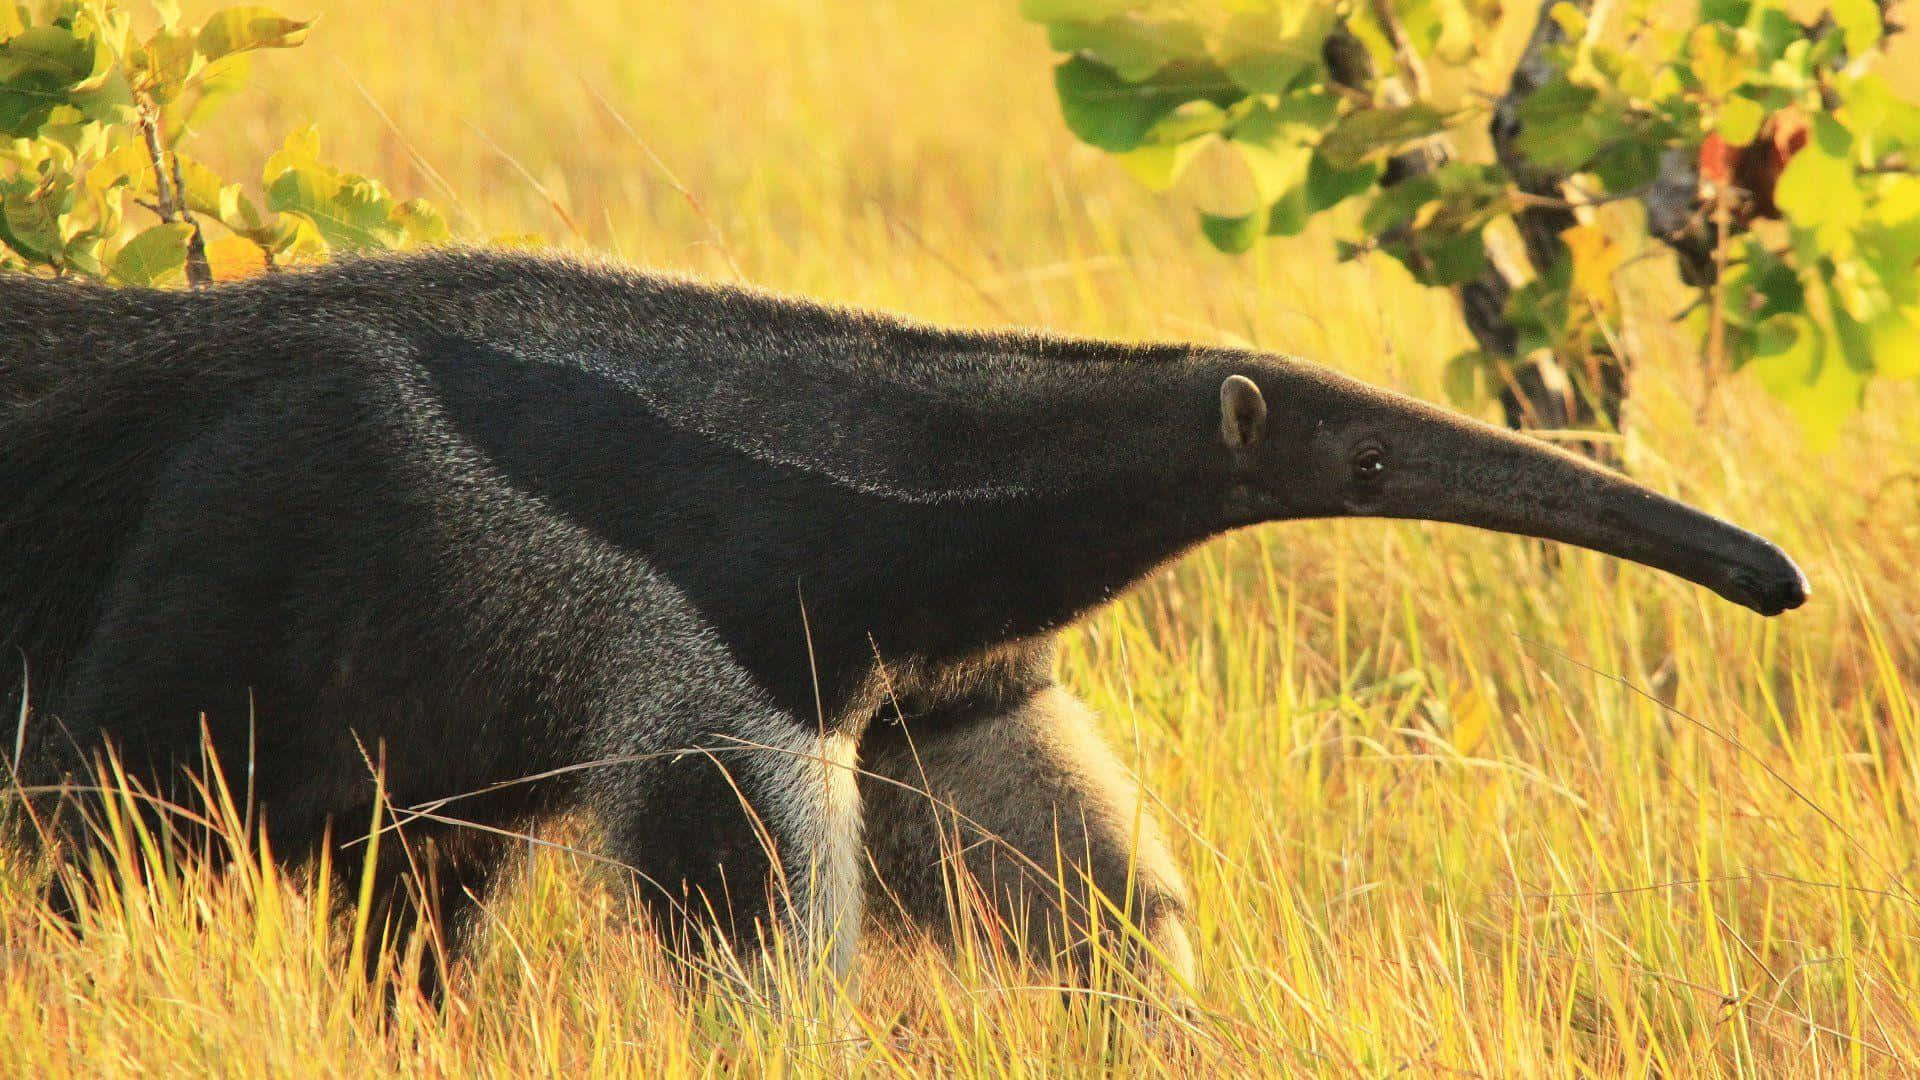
(95, 393)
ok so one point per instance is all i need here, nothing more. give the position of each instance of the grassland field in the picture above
(1449, 807)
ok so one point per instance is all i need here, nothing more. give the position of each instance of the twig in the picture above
(1404, 53)
(719, 238)
(552, 203)
(419, 159)
(1717, 296)
(199, 271)
(172, 196)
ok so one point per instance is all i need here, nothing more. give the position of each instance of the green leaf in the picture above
(1538, 315)
(1289, 214)
(1159, 166)
(202, 188)
(1562, 125)
(1713, 55)
(111, 102)
(1740, 120)
(1859, 20)
(1798, 363)
(1371, 133)
(1050, 11)
(238, 29)
(349, 211)
(1396, 206)
(420, 222)
(155, 256)
(1433, 224)
(1465, 379)
(1832, 136)
(1730, 12)
(1233, 235)
(1773, 31)
(1761, 285)
(1894, 342)
(1627, 164)
(1818, 188)
(82, 255)
(215, 86)
(1329, 185)
(1857, 292)
(46, 50)
(170, 59)
(26, 104)
(1188, 122)
(1449, 259)
(1272, 50)
(1855, 298)
(1872, 109)
(1787, 351)
(35, 215)
(100, 57)
(1825, 403)
(1134, 46)
(1277, 142)
(321, 207)
(1106, 111)
(297, 239)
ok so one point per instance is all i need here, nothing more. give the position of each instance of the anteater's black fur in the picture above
(483, 516)
(688, 551)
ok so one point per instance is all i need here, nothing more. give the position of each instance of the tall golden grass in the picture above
(1450, 807)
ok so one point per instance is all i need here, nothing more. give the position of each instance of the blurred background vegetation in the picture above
(1448, 806)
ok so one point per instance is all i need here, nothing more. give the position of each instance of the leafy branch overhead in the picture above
(93, 120)
(1765, 150)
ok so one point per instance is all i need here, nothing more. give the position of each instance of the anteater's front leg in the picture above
(747, 825)
(1047, 826)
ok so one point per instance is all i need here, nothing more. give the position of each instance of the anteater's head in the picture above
(1305, 442)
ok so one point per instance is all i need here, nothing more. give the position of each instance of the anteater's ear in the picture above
(1243, 413)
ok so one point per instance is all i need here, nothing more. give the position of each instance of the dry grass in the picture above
(1449, 807)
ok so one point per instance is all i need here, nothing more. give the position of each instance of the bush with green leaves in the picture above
(94, 177)
(1762, 146)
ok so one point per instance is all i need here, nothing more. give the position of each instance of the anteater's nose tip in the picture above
(1773, 590)
(1801, 591)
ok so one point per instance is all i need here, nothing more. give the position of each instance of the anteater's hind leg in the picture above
(1048, 829)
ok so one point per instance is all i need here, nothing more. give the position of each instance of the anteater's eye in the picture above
(1368, 463)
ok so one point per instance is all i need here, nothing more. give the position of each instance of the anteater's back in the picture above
(100, 389)
(91, 403)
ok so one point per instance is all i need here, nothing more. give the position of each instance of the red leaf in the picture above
(1760, 165)
(1787, 130)
(1716, 160)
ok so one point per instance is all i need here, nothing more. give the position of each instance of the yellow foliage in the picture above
(1596, 255)
(234, 257)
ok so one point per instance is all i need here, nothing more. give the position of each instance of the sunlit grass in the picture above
(1449, 803)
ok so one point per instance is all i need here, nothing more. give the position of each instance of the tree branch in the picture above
(1482, 300)
(170, 193)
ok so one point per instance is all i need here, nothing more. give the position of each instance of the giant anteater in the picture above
(735, 573)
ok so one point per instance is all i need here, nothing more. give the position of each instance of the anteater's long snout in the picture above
(1471, 473)
(1739, 565)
